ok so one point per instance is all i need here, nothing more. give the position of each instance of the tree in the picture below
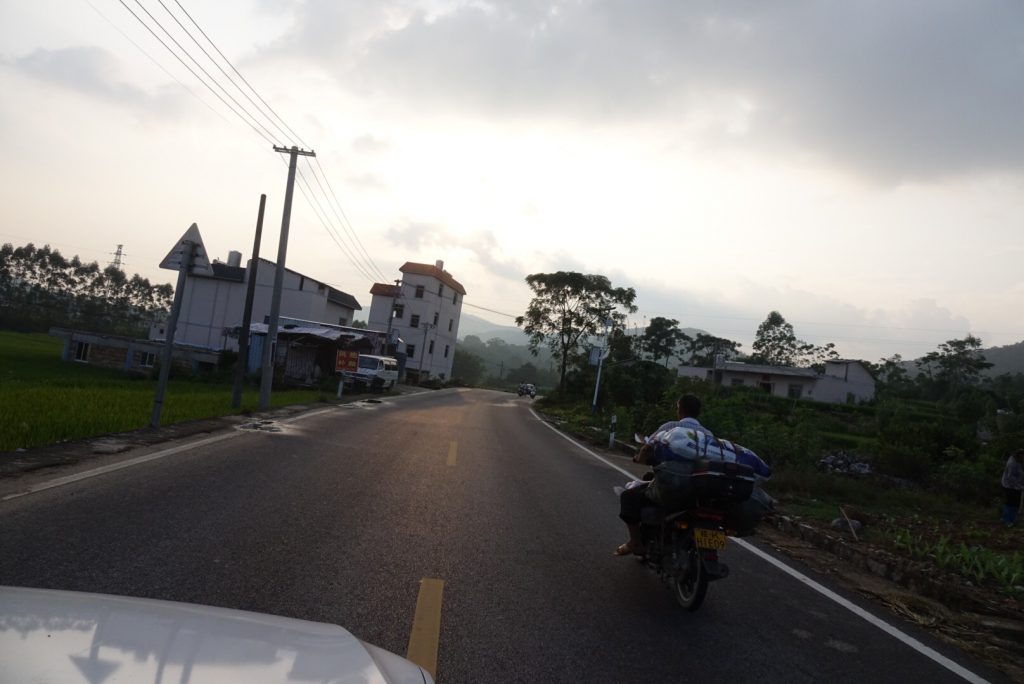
(813, 356)
(775, 343)
(702, 349)
(662, 336)
(955, 365)
(39, 288)
(467, 367)
(568, 308)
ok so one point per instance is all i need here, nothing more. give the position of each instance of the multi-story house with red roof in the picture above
(422, 311)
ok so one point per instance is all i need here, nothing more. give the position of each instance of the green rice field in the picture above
(44, 399)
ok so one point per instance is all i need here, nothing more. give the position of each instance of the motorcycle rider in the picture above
(633, 499)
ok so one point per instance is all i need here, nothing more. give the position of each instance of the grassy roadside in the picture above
(44, 400)
(911, 522)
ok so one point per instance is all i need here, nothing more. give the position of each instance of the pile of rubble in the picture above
(847, 464)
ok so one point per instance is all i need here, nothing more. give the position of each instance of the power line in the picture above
(309, 192)
(214, 62)
(271, 136)
(347, 223)
(244, 80)
(351, 239)
(332, 231)
(484, 308)
(154, 61)
(176, 56)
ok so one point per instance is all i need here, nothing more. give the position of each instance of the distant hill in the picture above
(487, 330)
(1008, 359)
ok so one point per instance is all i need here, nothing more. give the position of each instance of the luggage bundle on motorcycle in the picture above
(682, 484)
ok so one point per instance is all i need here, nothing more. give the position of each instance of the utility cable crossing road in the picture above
(454, 528)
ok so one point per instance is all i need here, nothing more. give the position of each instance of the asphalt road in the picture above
(341, 515)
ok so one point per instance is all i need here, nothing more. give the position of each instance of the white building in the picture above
(426, 305)
(844, 381)
(213, 305)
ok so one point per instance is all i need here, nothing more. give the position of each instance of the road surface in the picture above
(459, 505)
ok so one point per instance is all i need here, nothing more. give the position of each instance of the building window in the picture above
(414, 321)
(430, 350)
(342, 320)
(399, 310)
(446, 351)
(455, 297)
(419, 292)
(82, 351)
(451, 322)
(147, 359)
(410, 351)
(736, 382)
(795, 391)
(440, 289)
(436, 316)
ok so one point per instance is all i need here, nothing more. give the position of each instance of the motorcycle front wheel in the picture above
(691, 587)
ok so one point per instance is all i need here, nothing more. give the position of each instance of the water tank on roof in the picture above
(234, 258)
(439, 264)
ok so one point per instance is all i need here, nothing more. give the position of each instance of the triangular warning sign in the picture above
(200, 260)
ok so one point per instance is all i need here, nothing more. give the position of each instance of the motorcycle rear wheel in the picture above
(691, 588)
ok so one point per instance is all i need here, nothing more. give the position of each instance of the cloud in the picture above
(367, 181)
(87, 70)
(912, 328)
(915, 89)
(482, 246)
(369, 144)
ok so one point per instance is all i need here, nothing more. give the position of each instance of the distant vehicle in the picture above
(64, 636)
(378, 373)
(527, 388)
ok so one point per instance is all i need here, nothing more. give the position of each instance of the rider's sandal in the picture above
(627, 549)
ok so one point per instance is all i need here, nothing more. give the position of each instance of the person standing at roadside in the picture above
(1013, 484)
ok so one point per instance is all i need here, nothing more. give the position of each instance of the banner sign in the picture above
(346, 361)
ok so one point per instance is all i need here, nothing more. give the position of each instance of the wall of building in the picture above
(845, 381)
(443, 335)
(211, 305)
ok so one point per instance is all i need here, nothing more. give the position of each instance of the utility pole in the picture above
(250, 294)
(395, 294)
(600, 361)
(423, 351)
(267, 380)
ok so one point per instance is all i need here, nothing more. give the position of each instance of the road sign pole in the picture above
(165, 362)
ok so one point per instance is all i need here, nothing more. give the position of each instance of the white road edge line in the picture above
(926, 651)
(102, 470)
(61, 481)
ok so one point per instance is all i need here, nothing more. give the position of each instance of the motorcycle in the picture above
(683, 544)
(526, 388)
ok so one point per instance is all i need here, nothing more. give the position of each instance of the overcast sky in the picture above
(857, 166)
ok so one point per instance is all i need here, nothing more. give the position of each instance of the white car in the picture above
(62, 636)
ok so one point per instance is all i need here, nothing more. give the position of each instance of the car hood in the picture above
(54, 637)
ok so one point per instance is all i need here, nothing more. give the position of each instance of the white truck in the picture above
(378, 373)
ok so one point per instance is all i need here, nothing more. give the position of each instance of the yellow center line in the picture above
(453, 451)
(426, 626)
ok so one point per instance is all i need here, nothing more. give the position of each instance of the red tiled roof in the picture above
(431, 270)
(384, 289)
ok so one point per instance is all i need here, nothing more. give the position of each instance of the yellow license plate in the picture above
(709, 539)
